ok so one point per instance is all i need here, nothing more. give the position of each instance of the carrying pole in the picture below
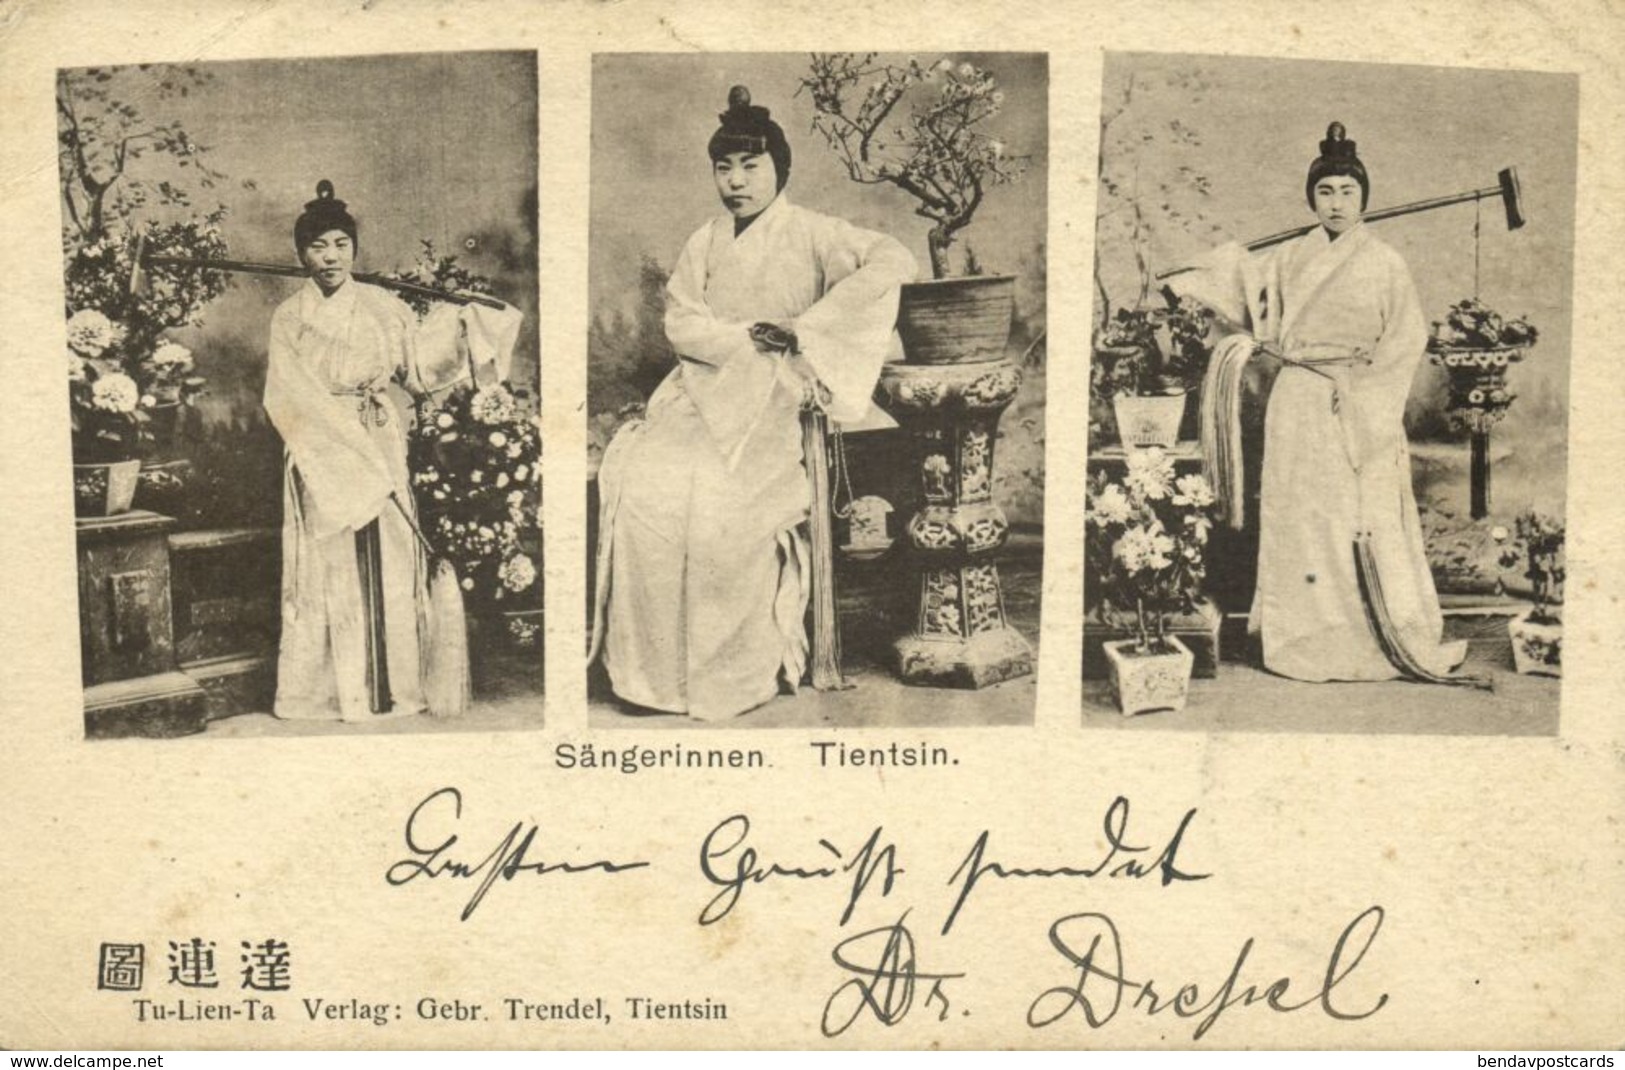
(1506, 188)
(143, 260)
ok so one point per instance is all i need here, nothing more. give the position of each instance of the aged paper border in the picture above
(1497, 861)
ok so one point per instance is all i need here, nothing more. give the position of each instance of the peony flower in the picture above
(517, 573)
(76, 368)
(514, 450)
(967, 71)
(90, 333)
(172, 356)
(1150, 473)
(502, 479)
(522, 473)
(444, 420)
(1143, 548)
(115, 392)
(492, 405)
(498, 439)
(1200, 526)
(148, 401)
(1192, 490)
(1110, 506)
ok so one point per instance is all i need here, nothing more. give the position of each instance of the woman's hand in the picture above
(771, 339)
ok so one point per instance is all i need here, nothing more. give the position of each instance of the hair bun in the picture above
(325, 200)
(1337, 142)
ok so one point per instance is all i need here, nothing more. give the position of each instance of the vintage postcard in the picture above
(1150, 469)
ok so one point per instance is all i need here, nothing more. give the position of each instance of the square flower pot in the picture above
(1143, 682)
(1149, 421)
(1537, 646)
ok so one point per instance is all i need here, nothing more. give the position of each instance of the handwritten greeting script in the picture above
(884, 971)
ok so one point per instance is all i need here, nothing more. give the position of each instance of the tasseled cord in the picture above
(826, 637)
(447, 688)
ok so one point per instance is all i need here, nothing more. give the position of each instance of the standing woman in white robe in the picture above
(353, 574)
(702, 572)
(1337, 311)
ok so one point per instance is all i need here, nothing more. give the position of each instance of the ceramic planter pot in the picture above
(962, 320)
(1148, 421)
(104, 489)
(1142, 682)
(1537, 646)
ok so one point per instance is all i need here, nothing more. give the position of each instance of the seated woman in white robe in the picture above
(1344, 590)
(353, 572)
(702, 573)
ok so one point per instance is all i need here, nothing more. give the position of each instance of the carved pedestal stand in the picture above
(133, 686)
(951, 411)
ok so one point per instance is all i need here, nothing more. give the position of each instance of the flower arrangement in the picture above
(938, 153)
(1470, 324)
(121, 365)
(1537, 542)
(1146, 542)
(1147, 352)
(475, 460)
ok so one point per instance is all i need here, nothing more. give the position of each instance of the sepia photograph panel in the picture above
(1329, 397)
(816, 388)
(304, 385)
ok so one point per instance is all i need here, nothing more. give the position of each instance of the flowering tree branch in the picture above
(936, 154)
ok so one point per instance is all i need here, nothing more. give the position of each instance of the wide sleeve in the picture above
(847, 334)
(455, 345)
(346, 479)
(694, 330)
(1385, 384)
(1241, 286)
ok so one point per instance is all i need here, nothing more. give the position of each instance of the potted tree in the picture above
(1152, 201)
(920, 128)
(1147, 362)
(1146, 541)
(1537, 632)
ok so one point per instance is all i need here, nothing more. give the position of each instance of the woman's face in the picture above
(746, 182)
(1337, 202)
(329, 258)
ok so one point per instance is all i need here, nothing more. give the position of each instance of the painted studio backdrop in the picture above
(176, 465)
(652, 188)
(1197, 151)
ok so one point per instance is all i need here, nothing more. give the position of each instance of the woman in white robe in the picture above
(352, 570)
(702, 573)
(1337, 309)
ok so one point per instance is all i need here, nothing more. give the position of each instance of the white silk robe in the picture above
(701, 572)
(330, 361)
(1334, 469)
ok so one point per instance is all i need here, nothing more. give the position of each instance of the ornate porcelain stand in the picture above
(951, 412)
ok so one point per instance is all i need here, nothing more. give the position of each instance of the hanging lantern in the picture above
(1475, 347)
